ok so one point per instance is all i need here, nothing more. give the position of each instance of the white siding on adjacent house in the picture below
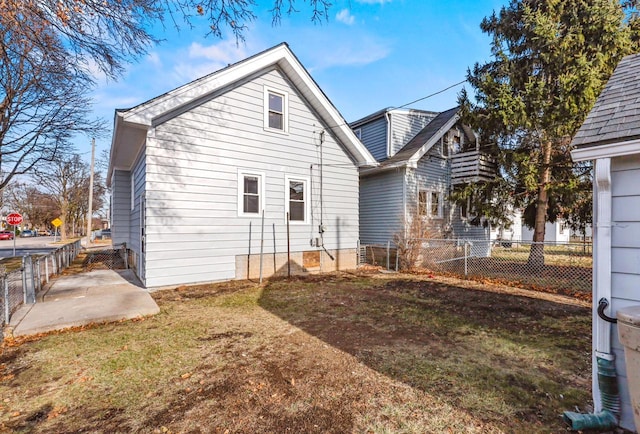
(374, 136)
(556, 232)
(381, 206)
(120, 204)
(432, 175)
(404, 127)
(194, 232)
(625, 256)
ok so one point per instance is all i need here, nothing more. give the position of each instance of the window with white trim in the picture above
(250, 193)
(358, 133)
(275, 110)
(297, 199)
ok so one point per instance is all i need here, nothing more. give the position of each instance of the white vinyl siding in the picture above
(193, 229)
(381, 206)
(405, 126)
(625, 251)
(121, 206)
(373, 136)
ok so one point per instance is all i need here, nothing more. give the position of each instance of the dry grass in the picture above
(340, 353)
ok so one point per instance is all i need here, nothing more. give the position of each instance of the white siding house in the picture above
(194, 171)
(610, 137)
(557, 232)
(423, 155)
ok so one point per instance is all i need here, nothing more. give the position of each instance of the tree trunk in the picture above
(63, 217)
(536, 256)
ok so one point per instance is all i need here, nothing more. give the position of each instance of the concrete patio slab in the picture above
(92, 297)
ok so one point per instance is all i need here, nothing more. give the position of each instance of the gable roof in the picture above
(612, 127)
(130, 125)
(422, 142)
(391, 110)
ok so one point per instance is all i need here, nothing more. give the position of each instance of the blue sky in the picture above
(371, 54)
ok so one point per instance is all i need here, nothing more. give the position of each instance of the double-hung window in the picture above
(275, 110)
(250, 193)
(297, 199)
(430, 203)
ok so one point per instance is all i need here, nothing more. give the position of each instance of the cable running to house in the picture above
(346, 124)
(433, 94)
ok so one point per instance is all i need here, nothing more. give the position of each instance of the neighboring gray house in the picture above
(423, 155)
(194, 171)
(610, 137)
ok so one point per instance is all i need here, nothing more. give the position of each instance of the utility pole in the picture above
(90, 209)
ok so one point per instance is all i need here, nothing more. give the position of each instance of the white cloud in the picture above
(96, 72)
(154, 59)
(351, 50)
(205, 59)
(344, 16)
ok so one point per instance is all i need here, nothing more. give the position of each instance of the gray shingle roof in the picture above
(422, 137)
(615, 117)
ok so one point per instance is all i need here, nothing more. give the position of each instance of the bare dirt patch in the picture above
(321, 354)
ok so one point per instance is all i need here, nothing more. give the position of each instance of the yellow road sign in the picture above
(56, 222)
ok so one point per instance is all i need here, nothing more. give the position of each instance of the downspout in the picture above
(322, 228)
(606, 397)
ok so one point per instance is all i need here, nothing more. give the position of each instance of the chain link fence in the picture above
(550, 267)
(116, 258)
(21, 285)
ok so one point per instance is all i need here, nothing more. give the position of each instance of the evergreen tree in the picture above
(550, 61)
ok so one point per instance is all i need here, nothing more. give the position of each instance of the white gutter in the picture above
(617, 149)
(602, 267)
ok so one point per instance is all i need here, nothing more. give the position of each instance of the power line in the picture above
(347, 124)
(433, 94)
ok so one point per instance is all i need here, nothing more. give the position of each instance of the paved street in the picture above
(26, 246)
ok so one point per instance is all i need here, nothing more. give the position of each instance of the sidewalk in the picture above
(81, 299)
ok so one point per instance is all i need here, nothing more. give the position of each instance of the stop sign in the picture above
(14, 219)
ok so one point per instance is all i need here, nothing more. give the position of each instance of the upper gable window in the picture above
(358, 133)
(275, 110)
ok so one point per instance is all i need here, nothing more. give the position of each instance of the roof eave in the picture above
(433, 140)
(145, 114)
(383, 168)
(596, 151)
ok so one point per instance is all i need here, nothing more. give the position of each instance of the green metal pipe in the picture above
(609, 397)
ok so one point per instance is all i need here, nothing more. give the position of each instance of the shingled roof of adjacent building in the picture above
(422, 137)
(615, 117)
